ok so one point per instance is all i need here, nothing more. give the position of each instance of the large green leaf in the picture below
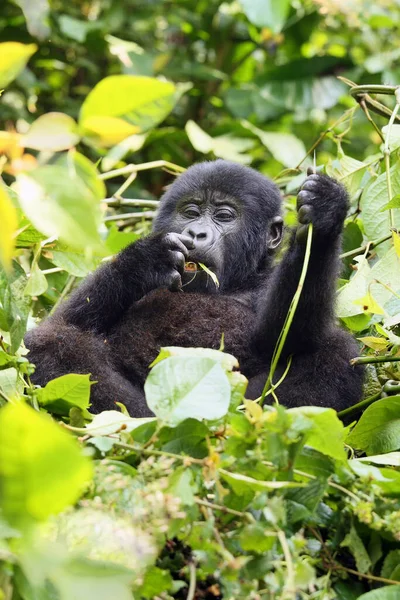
(60, 203)
(122, 105)
(64, 392)
(390, 592)
(267, 13)
(42, 469)
(223, 146)
(183, 387)
(378, 429)
(53, 132)
(8, 226)
(374, 198)
(324, 419)
(13, 58)
(284, 147)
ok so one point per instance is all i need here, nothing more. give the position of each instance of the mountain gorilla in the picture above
(228, 217)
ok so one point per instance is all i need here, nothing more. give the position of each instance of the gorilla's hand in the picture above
(165, 256)
(323, 202)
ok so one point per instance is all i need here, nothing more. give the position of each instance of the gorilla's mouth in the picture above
(191, 267)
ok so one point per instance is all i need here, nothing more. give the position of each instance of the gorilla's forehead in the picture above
(209, 196)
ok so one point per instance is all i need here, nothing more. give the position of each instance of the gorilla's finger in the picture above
(178, 260)
(175, 282)
(175, 242)
(185, 239)
(311, 183)
(303, 197)
(305, 214)
(301, 233)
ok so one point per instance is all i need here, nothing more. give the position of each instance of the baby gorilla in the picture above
(228, 217)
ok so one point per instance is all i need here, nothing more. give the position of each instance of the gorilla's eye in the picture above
(224, 215)
(191, 212)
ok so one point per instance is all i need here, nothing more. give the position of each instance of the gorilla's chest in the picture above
(164, 318)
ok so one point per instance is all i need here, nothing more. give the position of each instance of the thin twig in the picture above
(146, 214)
(367, 575)
(116, 202)
(155, 164)
(289, 587)
(225, 509)
(366, 360)
(192, 581)
(290, 315)
(359, 405)
(367, 246)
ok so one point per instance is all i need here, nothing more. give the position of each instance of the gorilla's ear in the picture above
(274, 233)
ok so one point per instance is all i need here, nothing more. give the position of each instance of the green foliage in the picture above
(214, 495)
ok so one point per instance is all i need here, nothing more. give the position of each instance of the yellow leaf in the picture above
(107, 131)
(370, 305)
(376, 343)
(396, 242)
(8, 226)
(13, 58)
(253, 410)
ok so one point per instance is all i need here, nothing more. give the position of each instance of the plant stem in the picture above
(387, 161)
(289, 587)
(146, 214)
(369, 245)
(290, 315)
(225, 509)
(117, 202)
(155, 164)
(192, 581)
(367, 576)
(359, 405)
(366, 360)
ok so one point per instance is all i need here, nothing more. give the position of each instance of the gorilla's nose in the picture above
(201, 236)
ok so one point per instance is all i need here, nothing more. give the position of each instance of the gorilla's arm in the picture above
(323, 202)
(156, 261)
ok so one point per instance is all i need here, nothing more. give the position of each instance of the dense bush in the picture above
(103, 103)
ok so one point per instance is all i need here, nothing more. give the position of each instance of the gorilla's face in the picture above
(232, 215)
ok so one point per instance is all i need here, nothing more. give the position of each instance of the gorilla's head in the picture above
(233, 215)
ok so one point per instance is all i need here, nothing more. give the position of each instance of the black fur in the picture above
(229, 217)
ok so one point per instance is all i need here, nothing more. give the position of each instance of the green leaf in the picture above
(180, 485)
(391, 458)
(13, 58)
(8, 226)
(267, 13)
(52, 132)
(64, 392)
(390, 592)
(112, 421)
(348, 171)
(37, 282)
(46, 462)
(74, 263)
(223, 146)
(284, 147)
(156, 582)
(357, 548)
(227, 361)
(241, 484)
(391, 565)
(257, 538)
(373, 200)
(36, 15)
(378, 429)
(324, 419)
(14, 305)
(122, 105)
(183, 387)
(70, 212)
(189, 437)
